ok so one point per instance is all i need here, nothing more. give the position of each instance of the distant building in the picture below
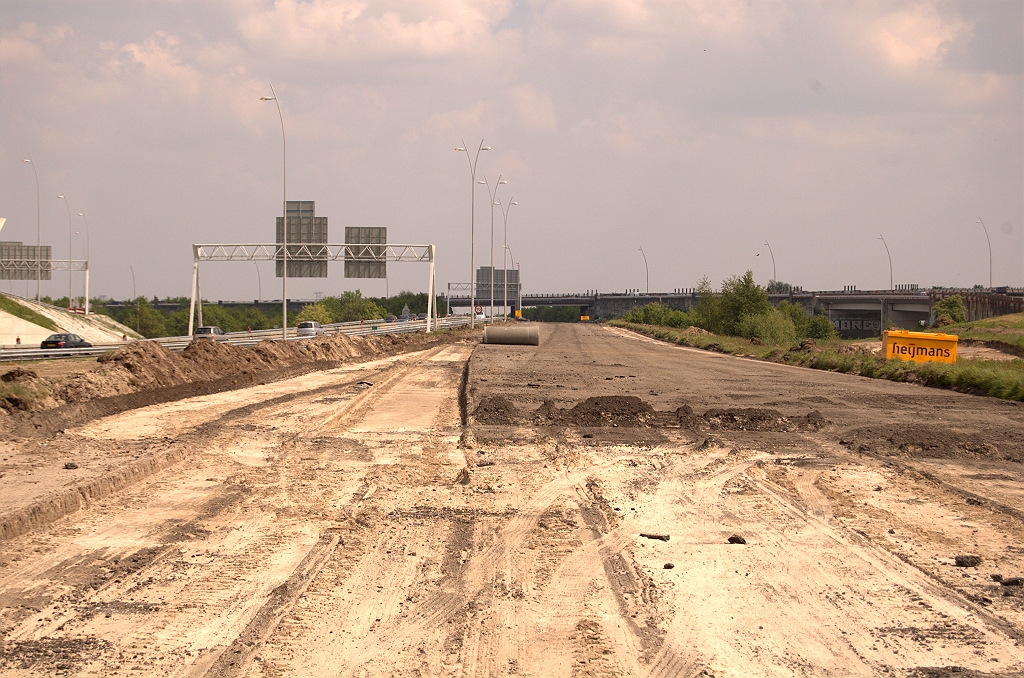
(24, 262)
(305, 231)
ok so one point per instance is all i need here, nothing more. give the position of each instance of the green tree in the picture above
(352, 306)
(796, 314)
(741, 296)
(656, 313)
(771, 326)
(953, 307)
(821, 328)
(553, 314)
(141, 315)
(317, 312)
(779, 287)
(707, 314)
(393, 305)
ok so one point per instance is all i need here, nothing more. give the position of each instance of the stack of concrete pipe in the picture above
(500, 334)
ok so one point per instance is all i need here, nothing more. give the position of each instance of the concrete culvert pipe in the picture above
(526, 336)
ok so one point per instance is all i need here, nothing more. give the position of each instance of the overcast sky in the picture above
(697, 129)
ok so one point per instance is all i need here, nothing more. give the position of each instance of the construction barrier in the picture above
(920, 347)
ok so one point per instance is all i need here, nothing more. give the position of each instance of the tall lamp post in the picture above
(84, 247)
(890, 259)
(989, 252)
(519, 283)
(646, 268)
(472, 226)
(39, 239)
(493, 195)
(259, 281)
(82, 214)
(775, 276)
(284, 216)
(70, 257)
(504, 261)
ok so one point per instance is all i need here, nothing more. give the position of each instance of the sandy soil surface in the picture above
(600, 505)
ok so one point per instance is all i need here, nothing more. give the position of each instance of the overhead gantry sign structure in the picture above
(42, 269)
(311, 252)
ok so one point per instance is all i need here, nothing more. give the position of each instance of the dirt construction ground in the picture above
(599, 505)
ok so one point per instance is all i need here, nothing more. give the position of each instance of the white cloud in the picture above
(694, 113)
(535, 107)
(909, 37)
(340, 29)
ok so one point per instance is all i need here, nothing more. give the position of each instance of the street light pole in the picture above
(82, 238)
(989, 252)
(284, 216)
(39, 230)
(493, 195)
(504, 261)
(890, 259)
(472, 225)
(70, 257)
(519, 283)
(646, 268)
(82, 214)
(775, 276)
(259, 280)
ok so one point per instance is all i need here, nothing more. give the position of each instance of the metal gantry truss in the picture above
(311, 252)
(34, 266)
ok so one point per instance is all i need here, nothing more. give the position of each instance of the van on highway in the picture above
(309, 328)
(209, 333)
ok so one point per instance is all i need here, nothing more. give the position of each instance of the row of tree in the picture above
(351, 306)
(741, 309)
(169, 317)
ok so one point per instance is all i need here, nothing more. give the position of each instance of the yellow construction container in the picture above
(920, 347)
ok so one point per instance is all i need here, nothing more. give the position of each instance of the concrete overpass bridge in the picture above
(855, 313)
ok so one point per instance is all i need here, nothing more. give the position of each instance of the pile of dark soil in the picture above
(747, 419)
(497, 411)
(917, 440)
(805, 346)
(754, 419)
(18, 375)
(610, 411)
(632, 412)
(624, 411)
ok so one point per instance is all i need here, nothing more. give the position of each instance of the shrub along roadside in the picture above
(997, 378)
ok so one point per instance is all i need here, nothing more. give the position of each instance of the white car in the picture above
(309, 328)
(209, 333)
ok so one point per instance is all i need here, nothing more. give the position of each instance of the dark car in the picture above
(421, 316)
(391, 319)
(209, 333)
(65, 341)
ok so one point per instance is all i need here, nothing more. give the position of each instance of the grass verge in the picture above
(16, 309)
(1005, 332)
(997, 378)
